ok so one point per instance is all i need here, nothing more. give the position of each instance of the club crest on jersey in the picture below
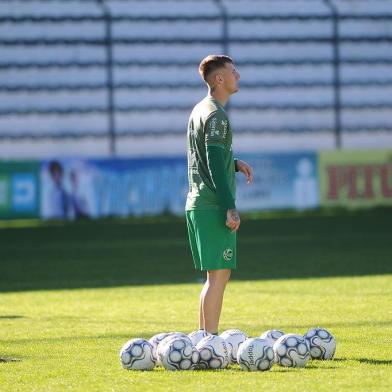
(227, 254)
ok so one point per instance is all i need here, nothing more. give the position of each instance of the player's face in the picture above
(231, 77)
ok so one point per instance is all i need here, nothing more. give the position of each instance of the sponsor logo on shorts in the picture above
(227, 254)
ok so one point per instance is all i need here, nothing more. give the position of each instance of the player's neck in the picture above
(221, 96)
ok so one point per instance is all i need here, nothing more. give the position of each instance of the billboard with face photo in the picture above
(93, 188)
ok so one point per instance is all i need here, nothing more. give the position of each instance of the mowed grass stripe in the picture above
(103, 254)
(69, 339)
(136, 279)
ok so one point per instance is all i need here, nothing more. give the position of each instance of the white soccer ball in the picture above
(272, 335)
(179, 354)
(291, 350)
(214, 353)
(233, 337)
(322, 344)
(155, 340)
(136, 354)
(255, 354)
(196, 336)
(162, 343)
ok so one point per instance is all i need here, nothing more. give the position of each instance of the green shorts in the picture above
(213, 245)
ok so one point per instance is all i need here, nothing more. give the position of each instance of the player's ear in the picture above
(218, 78)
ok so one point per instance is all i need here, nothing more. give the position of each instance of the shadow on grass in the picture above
(66, 339)
(9, 359)
(129, 252)
(375, 361)
(370, 361)
(10, 317)
(333, 324)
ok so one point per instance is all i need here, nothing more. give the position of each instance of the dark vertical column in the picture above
(336, 74)
(109, 77)
(225, 33)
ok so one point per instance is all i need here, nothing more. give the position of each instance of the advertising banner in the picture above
(92, 188)
(356, 178)
(79, 188)
(19, 189)
(281, 180)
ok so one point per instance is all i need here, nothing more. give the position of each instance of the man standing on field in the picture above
(211, 214)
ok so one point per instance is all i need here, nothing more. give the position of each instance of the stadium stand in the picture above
(112, 70)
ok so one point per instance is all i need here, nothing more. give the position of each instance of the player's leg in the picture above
(213, 248)
(212, 298)
(201, 314)
(193, 241)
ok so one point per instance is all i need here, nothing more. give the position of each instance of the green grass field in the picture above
(72, 294)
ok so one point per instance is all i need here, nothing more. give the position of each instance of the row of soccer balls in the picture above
(201, 350)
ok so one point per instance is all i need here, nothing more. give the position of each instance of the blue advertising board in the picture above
(77, 188)
(281, 180)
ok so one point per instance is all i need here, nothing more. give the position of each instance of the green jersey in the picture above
(208, 126)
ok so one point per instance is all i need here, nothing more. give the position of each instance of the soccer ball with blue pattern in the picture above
(272, 335)
(255, 354)
(214, 353)
(155, 340)
(179, 354)
(196, 336)
(136, 354)
(233, 337)
(291, 350)
(163, 342)
(322, 344)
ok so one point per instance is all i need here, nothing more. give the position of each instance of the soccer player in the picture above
(211, 213)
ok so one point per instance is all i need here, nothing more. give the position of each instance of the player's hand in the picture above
(233, 220)
(245, 168)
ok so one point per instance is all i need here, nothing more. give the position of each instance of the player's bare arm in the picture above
(246, 169)
(233, 220)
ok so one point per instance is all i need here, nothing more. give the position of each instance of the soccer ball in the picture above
(233, 337)
(163, 342)
(321, 343)
(291, 350)
(179, 354)
(255, 354)
(196, 336)
(214, 353)
(155, 340)
(272, 335)
(136, 354)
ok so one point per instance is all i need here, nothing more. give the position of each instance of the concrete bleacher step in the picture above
(164, 8)
(138, 96)
(175, 88)
(49, 8)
